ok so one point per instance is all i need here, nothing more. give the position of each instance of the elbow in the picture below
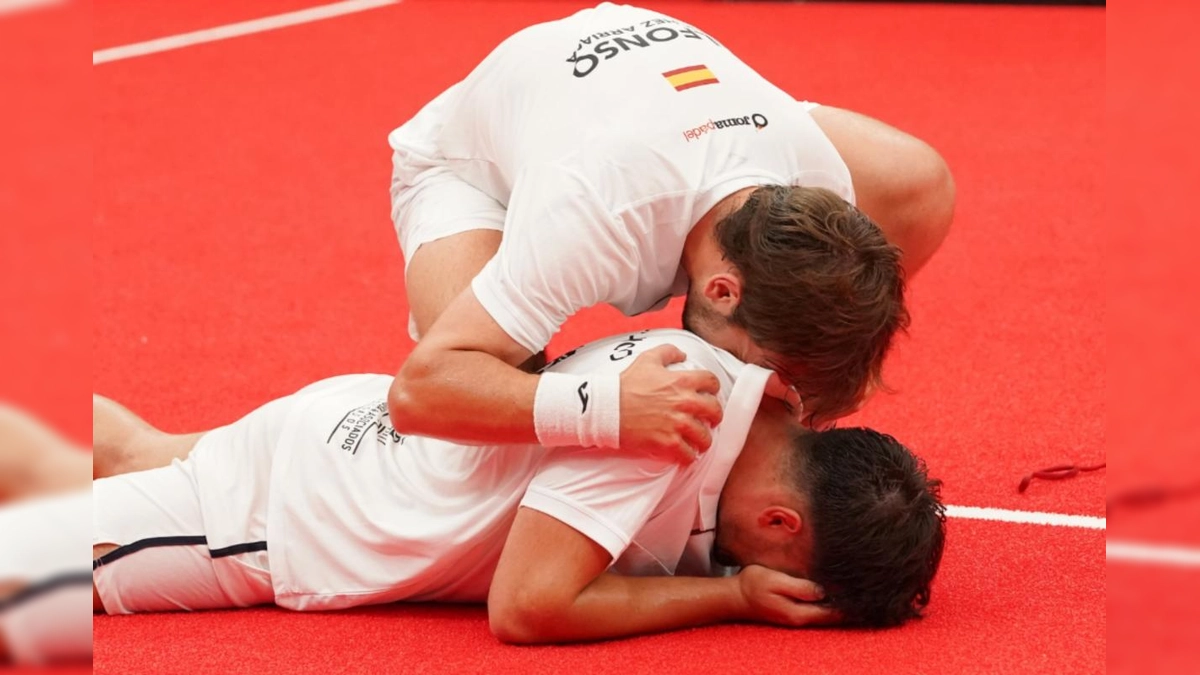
(522, 619)
(405, 396)
(512, 629)
(400, 407)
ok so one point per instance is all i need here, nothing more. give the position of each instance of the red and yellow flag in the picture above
(692, 76)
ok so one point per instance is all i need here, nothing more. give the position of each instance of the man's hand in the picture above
(776, 598)
(668, 411)
(779, 389)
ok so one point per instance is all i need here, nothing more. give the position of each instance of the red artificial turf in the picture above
(243, 249)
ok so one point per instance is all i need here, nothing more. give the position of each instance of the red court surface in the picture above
(242, 249)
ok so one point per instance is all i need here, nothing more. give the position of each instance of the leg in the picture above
(439, 270)
(447, 228)
(899, 181)
(97, 551)
(122, 442)
(153, 541)
(35, 460)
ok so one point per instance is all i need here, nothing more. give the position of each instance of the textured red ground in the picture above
(243, 249)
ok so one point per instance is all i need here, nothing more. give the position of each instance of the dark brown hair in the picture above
(821, 287)
(877, 523)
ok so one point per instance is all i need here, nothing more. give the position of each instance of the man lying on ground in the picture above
(315, 501)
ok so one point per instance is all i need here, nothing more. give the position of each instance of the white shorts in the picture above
(429, 201)
(191, 535)
(48, 616)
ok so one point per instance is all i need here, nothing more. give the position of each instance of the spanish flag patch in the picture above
(692, 76)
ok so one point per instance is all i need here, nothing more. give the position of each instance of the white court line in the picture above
(1026, 517)
(1134, 552)
(236, 29)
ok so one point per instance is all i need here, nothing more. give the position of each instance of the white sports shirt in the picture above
(359, 514)
(607, 135)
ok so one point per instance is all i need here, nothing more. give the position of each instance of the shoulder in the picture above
(618, 351)
(368, 384)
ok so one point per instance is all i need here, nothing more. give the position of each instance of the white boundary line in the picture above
(1155, 554)
(236, 30)
(1120, 552)
(1026, 517)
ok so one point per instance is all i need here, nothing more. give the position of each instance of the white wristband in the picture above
(582, 410)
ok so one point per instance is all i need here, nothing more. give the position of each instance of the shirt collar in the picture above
(740, 409)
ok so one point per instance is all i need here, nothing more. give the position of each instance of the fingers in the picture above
(705, 409)
(696, 435)
(777, 388)
(664, 355)
(802, 590)
(689, 453)
(701, 381)
(807, 614)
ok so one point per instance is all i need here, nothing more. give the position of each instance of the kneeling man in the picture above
(315, 502)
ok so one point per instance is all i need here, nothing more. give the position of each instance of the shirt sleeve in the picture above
(611, 498)
(562, 251)
(606, 498)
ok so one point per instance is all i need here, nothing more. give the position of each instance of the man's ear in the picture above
(724, 292)
(781, 520)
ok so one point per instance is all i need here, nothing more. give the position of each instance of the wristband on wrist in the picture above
(578, 410)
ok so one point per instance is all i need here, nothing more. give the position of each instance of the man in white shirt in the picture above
(628, 157)
(315, 501)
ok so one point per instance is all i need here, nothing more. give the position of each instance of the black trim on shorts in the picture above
(42, 587)
(155, 542)
(237, 548)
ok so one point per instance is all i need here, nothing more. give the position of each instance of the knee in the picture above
(108, 459)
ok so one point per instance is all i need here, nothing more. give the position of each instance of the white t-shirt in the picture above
(359, 514)
(607, 135)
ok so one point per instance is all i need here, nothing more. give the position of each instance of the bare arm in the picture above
(901, 182)
(462, 383)
(551, 586)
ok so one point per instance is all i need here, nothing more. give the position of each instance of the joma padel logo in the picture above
(757, 120)
(583, 397)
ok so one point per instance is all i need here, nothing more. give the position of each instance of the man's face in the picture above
(715, 329)
(703, 320)
(741, 544)
(700, 318)
(761, 518)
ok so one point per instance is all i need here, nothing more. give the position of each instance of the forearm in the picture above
(465, 396)
(616, 606)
